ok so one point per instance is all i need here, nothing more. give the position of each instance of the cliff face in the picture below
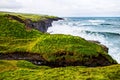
(41, 25)
(103, 46)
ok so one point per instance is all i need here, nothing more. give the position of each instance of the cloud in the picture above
(9, 4)
(66, 7)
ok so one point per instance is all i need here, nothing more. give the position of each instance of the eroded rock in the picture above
(37, 59)
(41, 25)
(103, 46)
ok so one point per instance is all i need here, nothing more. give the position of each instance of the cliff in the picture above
(41, 25)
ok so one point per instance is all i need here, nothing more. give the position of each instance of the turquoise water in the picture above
(103, 29)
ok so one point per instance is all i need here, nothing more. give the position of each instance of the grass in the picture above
(23, 70)
(33, 17)
(72, 48)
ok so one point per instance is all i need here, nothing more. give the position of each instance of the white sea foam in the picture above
(96, 22)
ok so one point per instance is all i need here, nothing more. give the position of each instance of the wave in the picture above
(77, 28)
(105, 24)
(103, 33)
(83, 23)
(96, 21)
(95, 24)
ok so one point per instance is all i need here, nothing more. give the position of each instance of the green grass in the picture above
(12, 28)
(23, 70)
(72, 48)
(33, 17)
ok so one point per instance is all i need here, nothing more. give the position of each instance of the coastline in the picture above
(64, 52)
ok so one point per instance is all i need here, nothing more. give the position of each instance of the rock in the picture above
(105, 48)
(43, 25)
(94, 41)
(37, 59)
(94, 61)
(97, 42)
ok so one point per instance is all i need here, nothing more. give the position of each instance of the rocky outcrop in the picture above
(37, 59)
(94, 61)
(41, 25)
(103, 46)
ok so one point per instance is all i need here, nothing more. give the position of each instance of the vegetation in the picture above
(14, 37)
(33, 17)
(23, 70)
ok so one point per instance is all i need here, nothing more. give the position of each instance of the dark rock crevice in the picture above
(91, 62)
(37, 59)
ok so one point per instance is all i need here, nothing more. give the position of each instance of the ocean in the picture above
(106, 30)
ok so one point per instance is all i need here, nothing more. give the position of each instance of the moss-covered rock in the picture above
(41, 23)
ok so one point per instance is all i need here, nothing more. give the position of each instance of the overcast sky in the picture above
(63, 7)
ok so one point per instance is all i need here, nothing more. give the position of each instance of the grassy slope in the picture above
(14, 37)
(33, 17)
(23, 70)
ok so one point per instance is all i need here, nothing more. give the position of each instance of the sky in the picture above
(64, 8)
